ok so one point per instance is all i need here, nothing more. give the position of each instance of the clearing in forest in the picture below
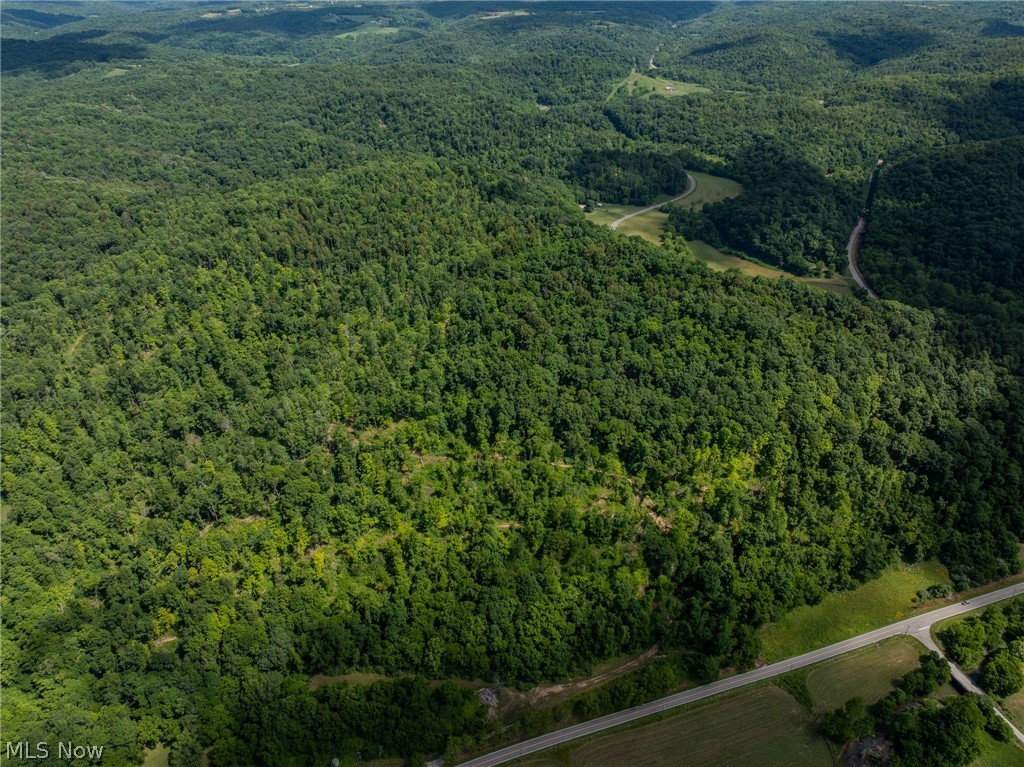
(645, 86)
(710, 189)
(721, 262)
(503, 14)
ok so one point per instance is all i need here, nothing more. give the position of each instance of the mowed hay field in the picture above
(650, 226)
(866, 673)
(646, 86)
(709, 189)
(721, 262)
(840, 616)
(763, 727)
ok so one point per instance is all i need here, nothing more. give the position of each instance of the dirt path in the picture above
(549, 695)
(852, 250)
(689, 190)
(917, 626)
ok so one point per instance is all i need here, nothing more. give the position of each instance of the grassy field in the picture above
(645, 86)
(720, 261)
(866, 673)
(762, 727)
(1001, 754)
(157, 757)
(650, 226)
(709, 189)
(840, 616)
(1013, 707)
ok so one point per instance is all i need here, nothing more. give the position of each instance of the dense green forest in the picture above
(313, 365)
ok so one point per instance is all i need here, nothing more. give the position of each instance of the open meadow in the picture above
(721, 262)
(839, 616)
(645, 86)
(1000, 754)
(761, 727)
(866, 673)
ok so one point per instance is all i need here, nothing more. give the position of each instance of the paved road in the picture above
(852, 249)
(689, 190)
(961, 678)
(918, 626)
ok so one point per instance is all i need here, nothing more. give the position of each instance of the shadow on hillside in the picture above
(63, 54)
(866, 50)
(39, 19)
(292, 23)
(1002, 28)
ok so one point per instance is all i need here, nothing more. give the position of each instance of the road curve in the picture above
(918, 626)
(852, 250)
(961, 678)
(689, 190)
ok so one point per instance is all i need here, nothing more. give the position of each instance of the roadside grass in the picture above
(1000, 754)
(608, 213)
(650, 226)
(721, 262)
(840, 616)
(867, 673)
(710, 189)
(1013, 707)
(157, 757)
(760, 727)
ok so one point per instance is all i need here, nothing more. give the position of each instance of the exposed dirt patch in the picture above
(512, 702)
(354, 678)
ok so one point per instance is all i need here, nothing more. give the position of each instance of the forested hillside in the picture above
(313, 365)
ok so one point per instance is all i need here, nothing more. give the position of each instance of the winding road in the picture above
(689, 190)
(918, 627)
(852, 250)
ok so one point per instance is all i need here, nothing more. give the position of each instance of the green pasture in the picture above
(866, 673)
(645, 86)
(157, 757)
(761, 727)
(721, 262)
(710, 189)
(1013, 707)
(650, 226)
(840, 616)
(1000, 754)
